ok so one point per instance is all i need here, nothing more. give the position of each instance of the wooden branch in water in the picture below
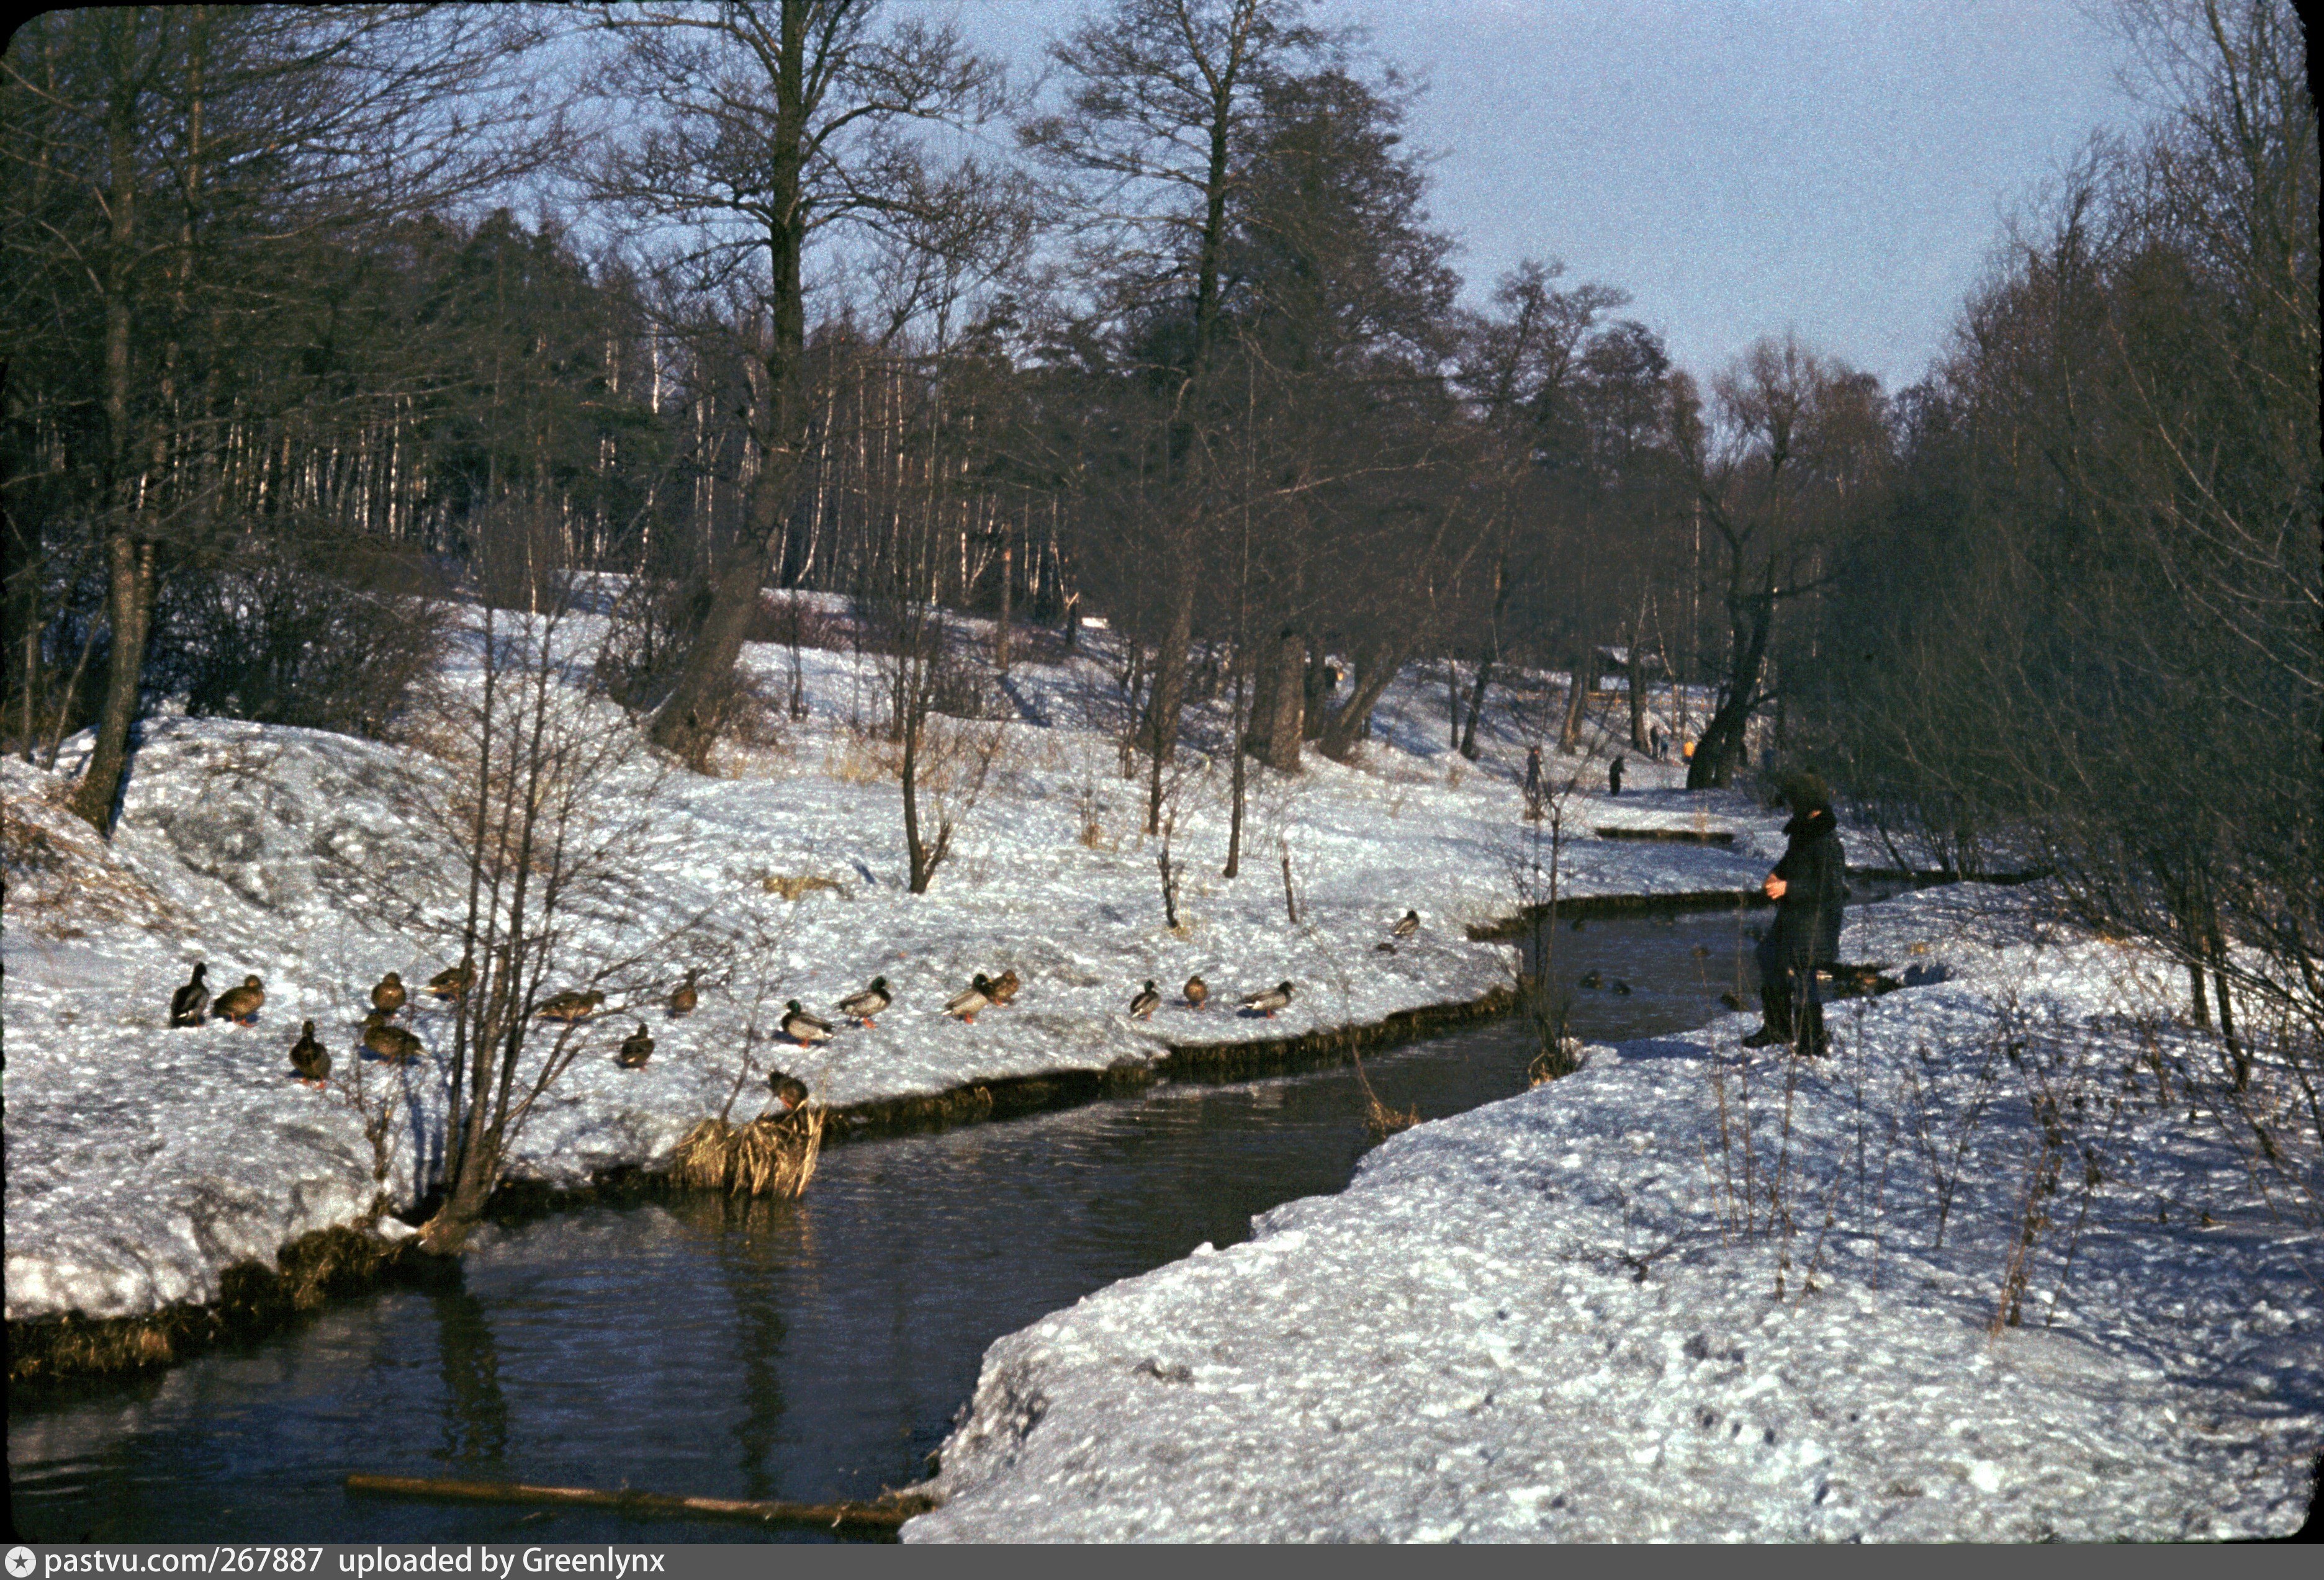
(887, 1514)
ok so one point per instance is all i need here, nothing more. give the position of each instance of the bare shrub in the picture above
(325, 634)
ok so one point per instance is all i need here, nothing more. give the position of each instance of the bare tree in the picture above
(764, 131)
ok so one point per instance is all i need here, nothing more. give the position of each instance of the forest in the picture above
(323, 325)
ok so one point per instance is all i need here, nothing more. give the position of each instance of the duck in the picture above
(311, 1061)
(1620, 987)
(636, 1048)
(788, 1089)
(570, 1006)
(1578, 923)
(1408, 927)
(454, 981)
(874, 1000)
(1702, 951)
(1591, 979)
(803, 1028)
(1197, 992)
(1148, 1001)
(1383, 947)
(389, 996)
(188, 1005)
(1731, 1001)
(685, 995)
(240, 1004)
(1002, 990)
(978, 994)
(1268, 1000)
(390, 1043)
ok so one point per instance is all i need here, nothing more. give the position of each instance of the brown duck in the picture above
(684, 996)
(191, 1002)
(310, 1060)
(636, 1048)
(1406, 928)
(570, 1006)
(389, 996)
(1002, 989)
(454, 981)
(1198, 992)
(390, 1043)
(240, 1004)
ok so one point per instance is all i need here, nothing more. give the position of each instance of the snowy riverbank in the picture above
(143, 1161)
(1558, 1317)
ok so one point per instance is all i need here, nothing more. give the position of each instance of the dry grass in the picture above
(773, 1155)
(863, 757)
(792, 887)
(61, 874)
(1382, 1121)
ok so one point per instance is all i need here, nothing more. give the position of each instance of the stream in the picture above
(808, 1350)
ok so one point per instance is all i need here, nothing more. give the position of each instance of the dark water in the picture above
(806, 1350)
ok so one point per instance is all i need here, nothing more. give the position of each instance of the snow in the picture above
(1545, 1318)
(143, 1161)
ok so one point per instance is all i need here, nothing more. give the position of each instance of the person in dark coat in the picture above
(1614, 777)
(1809, 888)
(1533, 784)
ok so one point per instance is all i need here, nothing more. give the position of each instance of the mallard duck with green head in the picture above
(1146, 1003)
(803, 1028)
(1268, 1000)
(977, 996)
(874, 1000)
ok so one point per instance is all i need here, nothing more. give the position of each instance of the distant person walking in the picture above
(1614, 777)
(1532, 785)
(1654, 742)
(1809, 887)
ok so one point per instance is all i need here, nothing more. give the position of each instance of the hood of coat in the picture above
(1812, 825)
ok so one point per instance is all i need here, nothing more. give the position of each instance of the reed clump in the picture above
(773, 1155)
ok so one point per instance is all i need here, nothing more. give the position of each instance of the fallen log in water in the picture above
(884, 1515)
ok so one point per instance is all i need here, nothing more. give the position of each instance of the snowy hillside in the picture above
(141, 1161)
(1594, 1313)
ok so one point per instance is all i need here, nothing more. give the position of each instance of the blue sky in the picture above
(1740, 166)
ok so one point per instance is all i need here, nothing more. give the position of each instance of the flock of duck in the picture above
(311, 1061)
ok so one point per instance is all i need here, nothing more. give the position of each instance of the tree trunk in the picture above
(1234, 732)
(1169, 690)
(1376, 670)
(686, 718)
(1582, 676)
(1289, 695)
(1008, 576)
(130, 579)
(1476, 708)
(1715, 754)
